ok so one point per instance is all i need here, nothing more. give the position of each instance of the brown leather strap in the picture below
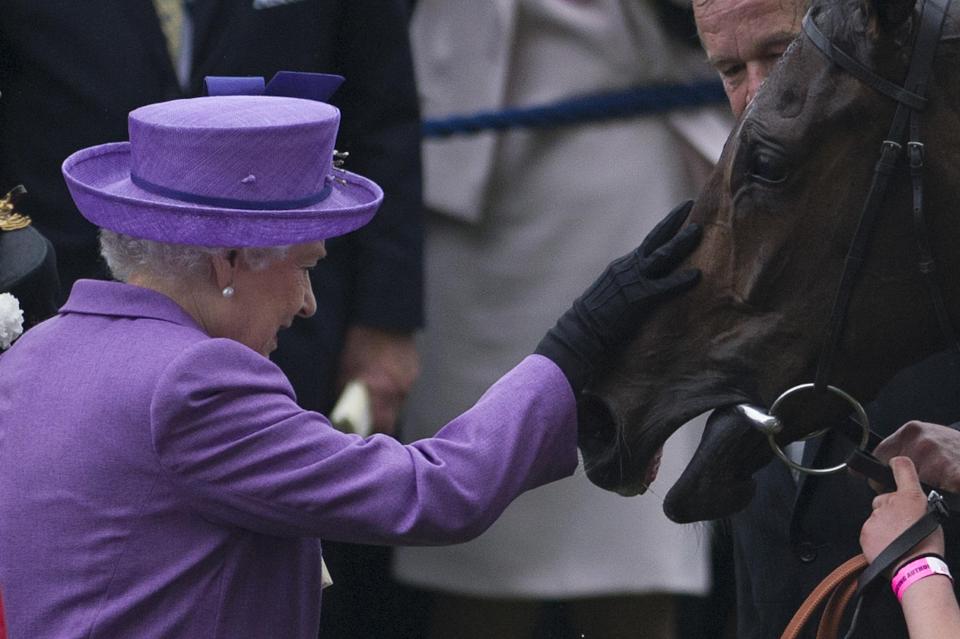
(843, 574)
(829, 627)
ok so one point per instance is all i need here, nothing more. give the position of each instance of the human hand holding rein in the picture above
(929, 605)
(894, 512)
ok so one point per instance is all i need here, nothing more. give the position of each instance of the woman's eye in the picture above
(767, 167)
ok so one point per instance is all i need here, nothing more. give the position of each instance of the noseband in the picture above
(904, 132)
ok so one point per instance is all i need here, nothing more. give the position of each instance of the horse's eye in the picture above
(767, 166)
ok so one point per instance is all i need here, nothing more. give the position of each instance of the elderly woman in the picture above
(157, 478)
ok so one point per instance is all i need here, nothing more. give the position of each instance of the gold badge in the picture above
(10, 220)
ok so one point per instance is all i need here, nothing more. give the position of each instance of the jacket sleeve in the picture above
(234, 443)
(380, 128)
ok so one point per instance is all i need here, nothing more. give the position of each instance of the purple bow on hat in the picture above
(290, 84)
(250, 165)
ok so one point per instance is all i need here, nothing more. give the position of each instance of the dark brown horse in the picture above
(779, 214)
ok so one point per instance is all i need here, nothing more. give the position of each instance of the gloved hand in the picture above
(609, 312)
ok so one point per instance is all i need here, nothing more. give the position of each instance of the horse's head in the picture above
(779, 213)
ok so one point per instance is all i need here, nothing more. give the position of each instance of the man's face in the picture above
(744, 39)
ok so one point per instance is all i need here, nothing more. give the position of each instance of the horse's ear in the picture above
(887, 16)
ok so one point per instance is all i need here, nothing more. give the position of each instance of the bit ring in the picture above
(861, 419)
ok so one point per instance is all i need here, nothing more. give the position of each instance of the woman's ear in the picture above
(225, 265)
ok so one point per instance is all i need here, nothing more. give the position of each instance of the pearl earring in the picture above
(228, 291)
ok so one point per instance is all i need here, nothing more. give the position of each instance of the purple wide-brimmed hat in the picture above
(227, 170)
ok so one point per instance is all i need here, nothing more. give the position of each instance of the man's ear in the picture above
(225, 265)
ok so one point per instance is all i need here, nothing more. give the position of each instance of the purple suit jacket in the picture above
(156, 482)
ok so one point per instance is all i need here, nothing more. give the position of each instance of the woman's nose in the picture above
(309, 303)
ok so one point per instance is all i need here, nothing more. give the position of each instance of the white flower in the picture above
(11, 320)
(353, 412)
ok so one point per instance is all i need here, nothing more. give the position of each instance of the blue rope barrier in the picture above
(645, 100)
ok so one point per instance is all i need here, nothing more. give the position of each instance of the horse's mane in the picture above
(845, 21)
(855, 24)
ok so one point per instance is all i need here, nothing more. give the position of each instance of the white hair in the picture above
(127, 255)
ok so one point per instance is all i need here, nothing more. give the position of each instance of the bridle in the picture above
(903, 133)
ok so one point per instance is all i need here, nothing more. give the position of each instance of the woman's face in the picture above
(266, 301)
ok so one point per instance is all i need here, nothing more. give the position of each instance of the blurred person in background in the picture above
(517, 220)
(28, 266)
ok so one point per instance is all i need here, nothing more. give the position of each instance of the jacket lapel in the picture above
(207, 14)
(144, 19)
(804, 483)
(811, 450)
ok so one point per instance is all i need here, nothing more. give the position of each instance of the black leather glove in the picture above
(609, 312)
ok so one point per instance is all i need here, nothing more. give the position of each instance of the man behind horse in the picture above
(795, 531)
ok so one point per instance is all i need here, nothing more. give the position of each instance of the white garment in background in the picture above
(522, 222)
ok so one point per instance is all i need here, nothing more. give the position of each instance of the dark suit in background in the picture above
(71, 71)
(794, 533)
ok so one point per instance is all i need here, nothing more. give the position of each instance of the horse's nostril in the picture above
(599, 440)
(597, 426)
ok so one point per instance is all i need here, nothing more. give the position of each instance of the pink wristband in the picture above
(915, 570)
